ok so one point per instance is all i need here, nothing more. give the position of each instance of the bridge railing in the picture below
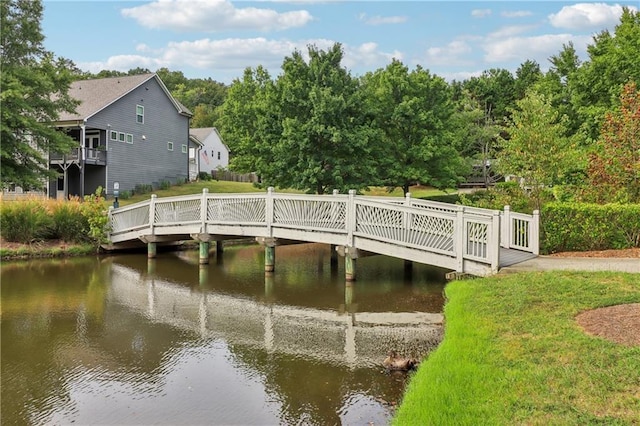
(520, 231)
(326, 213)
(457, 231)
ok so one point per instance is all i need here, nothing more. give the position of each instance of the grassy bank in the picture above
(10, 251)
(513, 354)
(243, 187)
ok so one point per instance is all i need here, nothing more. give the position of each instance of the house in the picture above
(130, 131)
(214, 153)
(195, 145)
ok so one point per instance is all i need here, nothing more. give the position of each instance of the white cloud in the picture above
(454, 53)
(510, 31)
(516, 13)
(380, 20)
(213, 16)
(369, 55)
(232, 55)
(480, 13)
(583, 16)
(460, 75)
(538, 48)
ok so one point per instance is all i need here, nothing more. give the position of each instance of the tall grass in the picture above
(513, 354)
(36, 219)
(69, 223)
(25, 221)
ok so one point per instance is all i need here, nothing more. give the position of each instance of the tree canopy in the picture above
(412, 118)
(35, 88)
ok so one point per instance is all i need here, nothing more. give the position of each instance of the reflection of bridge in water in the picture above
(351, 339)
(458, 238)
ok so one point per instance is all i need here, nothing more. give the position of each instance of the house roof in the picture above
(95, 95)
(201, 133)
(193, 138)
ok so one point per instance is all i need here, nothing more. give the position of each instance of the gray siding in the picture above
(145, 161)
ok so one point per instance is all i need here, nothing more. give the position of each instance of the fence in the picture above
(230, 176)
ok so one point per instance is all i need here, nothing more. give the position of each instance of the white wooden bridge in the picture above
(459, 238)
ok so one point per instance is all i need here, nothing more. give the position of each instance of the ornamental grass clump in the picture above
(69, 224)
(25, 221)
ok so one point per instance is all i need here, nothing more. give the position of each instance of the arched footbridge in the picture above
(459, 238)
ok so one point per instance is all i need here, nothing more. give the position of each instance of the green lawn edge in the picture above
(225, 187)
(513, 354)
(33, 251)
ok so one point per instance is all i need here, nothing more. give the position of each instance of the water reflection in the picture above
(128, 340)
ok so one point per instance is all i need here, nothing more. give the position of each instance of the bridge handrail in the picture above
(457, 231)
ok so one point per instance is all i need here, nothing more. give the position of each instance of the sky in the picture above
(218, 39)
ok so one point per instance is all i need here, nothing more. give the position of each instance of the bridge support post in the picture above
(269, 258)
(349, 268)
(204, 253)
(219, 248)
(152, 250)
(334, 258)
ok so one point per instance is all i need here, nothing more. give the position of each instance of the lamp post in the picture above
(116, 192)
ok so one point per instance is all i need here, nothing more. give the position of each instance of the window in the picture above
(129, 138)
(218, 155)
(139, 114)
(121, 137)
(113, 135)
(170, 146)
(184, 149)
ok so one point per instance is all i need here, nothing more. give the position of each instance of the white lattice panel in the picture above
(236, 210)
(417, 229)
(130, 219)
(309, 214)
(178, 211)
(432, 231)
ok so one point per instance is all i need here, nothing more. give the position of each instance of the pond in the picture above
(126, 340)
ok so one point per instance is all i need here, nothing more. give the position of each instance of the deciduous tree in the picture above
(614, 169)
(34, 90)
(536, 148)
(412, 112)
(325, 142)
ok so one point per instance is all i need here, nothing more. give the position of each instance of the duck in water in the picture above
(396, 362)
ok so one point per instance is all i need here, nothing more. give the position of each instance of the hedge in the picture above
(583, 227)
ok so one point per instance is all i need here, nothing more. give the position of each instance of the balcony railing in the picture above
(92, 156)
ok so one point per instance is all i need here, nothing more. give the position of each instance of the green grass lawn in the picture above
(243, 187)
(513, 354)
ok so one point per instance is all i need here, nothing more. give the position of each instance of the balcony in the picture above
(97, 156)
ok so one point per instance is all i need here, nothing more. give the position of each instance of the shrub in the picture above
(141, 189)
(125, 195)
(446, 198)
(93, 209)
(204, 176)
(164, 184)
(503, 194)
(581, 227)
(69, 224)
(25, 221)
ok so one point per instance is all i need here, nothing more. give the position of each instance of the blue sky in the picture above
(220, 38)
